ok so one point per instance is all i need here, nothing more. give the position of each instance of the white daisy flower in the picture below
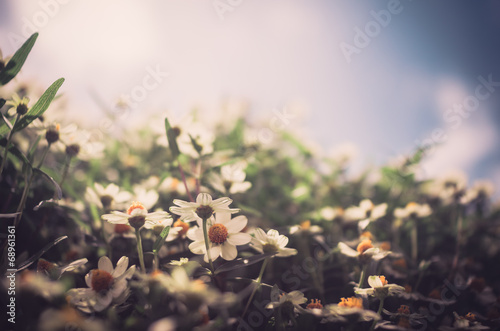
(223, 234)
(305, 227)
(107, 285)
(18, 105)
(296, 298)
(231, 179)
(203, 208)
(55, 271)
(482, 189)
(181, 262)
(380, 288)
(147, 197)
(413, 210)
(348, 309)
(271, 242)
(158, 225)
(107, 197)
(366, 213)
(136, 216)
(364, 252)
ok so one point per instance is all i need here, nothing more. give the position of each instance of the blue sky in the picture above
(392, 93)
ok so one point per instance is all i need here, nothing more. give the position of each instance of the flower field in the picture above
(186, 224)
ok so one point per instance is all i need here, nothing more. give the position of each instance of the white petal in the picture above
(105, 264)
(374, 281)
(222, 217)
(284, 252)
(237, 224)
(282, 241)
(260, 235)
(197, 247)
(103, 301)
(239, 238)
(228, 251)
(118, 288)
(203, 199)
(346, 250)
(88, 279)
(121, 266)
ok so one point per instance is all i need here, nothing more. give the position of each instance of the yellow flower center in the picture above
(183, 225)
(101, 280)
(315, 304)
(411, 205)
(367, 235)
(306, 225)
(217, 233)
(383, 280)
(351, 302)
(135, 205)
(364, 245)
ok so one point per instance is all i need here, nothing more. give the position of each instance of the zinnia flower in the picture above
(380, 288)
(223, 234)
(203, 208)
(272, 242)
(136, 216)
(107, 285)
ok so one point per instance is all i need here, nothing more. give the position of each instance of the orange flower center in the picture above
(403, 309)
(315, 304)
(122, 228)
(411, 205)
(183, 225)
(364, 245)
(383, 280)
(470, 317)
(386, 246)
(217, 233)
(101, 280)
(351, 302)
(44, 265)
(306, 225)
(133, 206)
(367, 235)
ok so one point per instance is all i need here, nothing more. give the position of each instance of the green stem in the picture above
(9, 138)
(24, 197)
(184, 181)
(379, 313)
(65, 170)
(43, 156)
(414, 242)
(259, 281)
(207, 246)
(139, 249)
(155, 261)
(362, 277)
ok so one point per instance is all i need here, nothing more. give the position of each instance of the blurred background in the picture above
(386, 76)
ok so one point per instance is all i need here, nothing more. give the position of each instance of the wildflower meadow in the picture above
(186, 224)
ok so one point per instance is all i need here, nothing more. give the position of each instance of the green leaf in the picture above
(35, 257)
(16, 62)
(50, 179)
(13, 150)
(11, 215)
(242, 262)
(40, 106)
(172, 139)
(196, 146)
(161, 239)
